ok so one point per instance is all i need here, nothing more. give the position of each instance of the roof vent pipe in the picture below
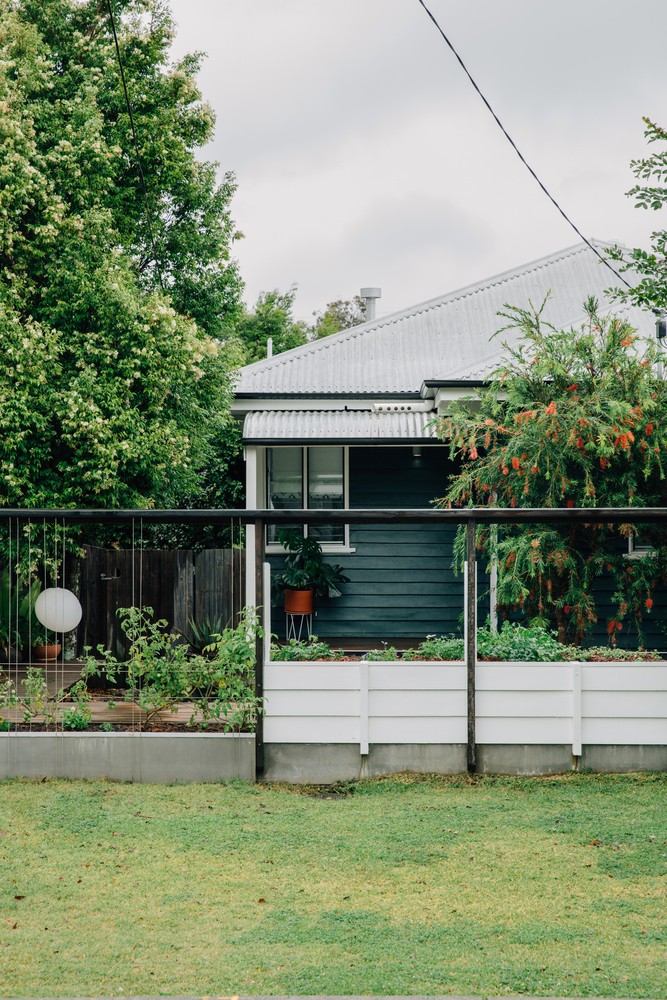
(369, 295)
(269, 347)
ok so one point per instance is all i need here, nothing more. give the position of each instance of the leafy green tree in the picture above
(650, 193)
(113, 384)
(339, 315)
(270, 319)
(572, 419)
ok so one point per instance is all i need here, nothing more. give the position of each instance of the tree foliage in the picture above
(650, 193)
(339, 315)
(270, 319)
(112, 383)
(572, 419)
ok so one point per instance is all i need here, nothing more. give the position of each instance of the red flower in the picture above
(515, 463)
(567, 609)
(569, 503)
(649, 603)
(473, 453)
(649, 429)
(626, 341)
(610, 627)
(572, 388)
(551, 408)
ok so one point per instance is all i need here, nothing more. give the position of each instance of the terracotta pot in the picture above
(299, 602)
(48, 652)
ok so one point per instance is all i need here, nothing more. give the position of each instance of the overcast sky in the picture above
(364, 157)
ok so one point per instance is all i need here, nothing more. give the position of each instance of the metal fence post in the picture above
(260, 599)
(471, 638)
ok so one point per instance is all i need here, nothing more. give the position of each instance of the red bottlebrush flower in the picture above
(580, 442)
(610, 627)
(572, 388)
(533, 469)
(649, 603)
(489, 422)
(535, 543)
(505, 470)
(567, 609)
(603, 463)
(473, 453)
(649, 429)
(626, 341)
(551, 408)
(515, 463)
(569, 503)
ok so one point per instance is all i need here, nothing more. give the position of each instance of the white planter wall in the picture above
(425, 703)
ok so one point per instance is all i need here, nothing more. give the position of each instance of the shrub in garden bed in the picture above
(159, 674)
(512, 642)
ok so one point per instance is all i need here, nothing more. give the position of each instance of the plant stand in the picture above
(298, 626)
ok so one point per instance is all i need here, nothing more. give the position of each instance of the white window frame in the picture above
(341, 547)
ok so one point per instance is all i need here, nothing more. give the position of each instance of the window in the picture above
(311, 478)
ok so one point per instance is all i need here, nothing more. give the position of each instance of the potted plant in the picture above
(305, 573)
(19, 627)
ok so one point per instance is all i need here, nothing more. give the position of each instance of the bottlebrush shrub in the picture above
(573, 418)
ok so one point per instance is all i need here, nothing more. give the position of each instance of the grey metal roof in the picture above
(439, 339)
(339, 426)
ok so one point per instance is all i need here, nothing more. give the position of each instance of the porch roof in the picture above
(401, 425)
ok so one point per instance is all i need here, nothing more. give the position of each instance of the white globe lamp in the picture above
(58, 609)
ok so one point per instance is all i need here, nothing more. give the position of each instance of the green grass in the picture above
(438, 886)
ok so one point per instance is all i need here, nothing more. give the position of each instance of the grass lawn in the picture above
(437, 886)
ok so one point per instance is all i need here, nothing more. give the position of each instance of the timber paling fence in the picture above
(366, 725)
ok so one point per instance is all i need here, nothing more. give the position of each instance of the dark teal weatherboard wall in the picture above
(401, 580)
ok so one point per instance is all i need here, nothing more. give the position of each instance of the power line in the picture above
(135, 140)
(519, 153)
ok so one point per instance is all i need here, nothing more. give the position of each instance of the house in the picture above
(347, 422)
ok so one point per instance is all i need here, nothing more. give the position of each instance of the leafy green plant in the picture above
(106, 727)
(305, 568)
(18, 623)
(440, 647)
(303, 649)
(202, 632)
(612, 654)
(520, 642)
(160, 672)
(76, 718)
(573, 418)
(386, 653)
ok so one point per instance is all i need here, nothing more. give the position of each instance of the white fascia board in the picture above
(242, 406)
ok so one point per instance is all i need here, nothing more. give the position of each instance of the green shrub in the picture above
(303, 649)
(160, 671)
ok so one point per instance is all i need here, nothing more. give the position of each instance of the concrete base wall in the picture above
(621, 759)
(522, 758)
(140, 757)
(326, 763)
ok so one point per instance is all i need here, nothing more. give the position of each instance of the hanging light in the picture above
(58, 609)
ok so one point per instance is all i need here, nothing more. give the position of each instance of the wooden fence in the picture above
(180, 586)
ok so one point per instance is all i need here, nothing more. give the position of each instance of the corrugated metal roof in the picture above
(437, 339)
(340, 426)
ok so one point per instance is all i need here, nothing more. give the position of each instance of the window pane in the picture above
(326, 489)
(284, 479)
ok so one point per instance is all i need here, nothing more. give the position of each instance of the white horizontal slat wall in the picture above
(312, 703)
(524, 703)
(624, 704)
(417, 703)
(365, 702)
(425, 703)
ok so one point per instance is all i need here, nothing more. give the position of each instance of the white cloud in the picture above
(364, 157)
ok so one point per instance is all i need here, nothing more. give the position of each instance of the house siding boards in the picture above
(402, 584)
